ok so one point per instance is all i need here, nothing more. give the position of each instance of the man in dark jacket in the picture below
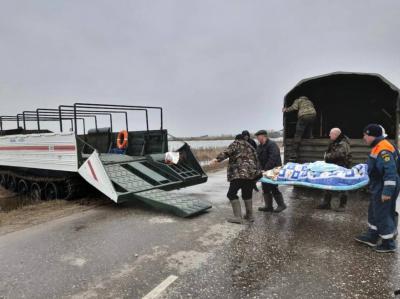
(269, 157)
(242, 172)
(338, 153)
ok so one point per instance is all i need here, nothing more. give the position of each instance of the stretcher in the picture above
(319, 175)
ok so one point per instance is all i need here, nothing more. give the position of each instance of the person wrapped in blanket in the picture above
(339, 153)
(383, 171)
(242, 172)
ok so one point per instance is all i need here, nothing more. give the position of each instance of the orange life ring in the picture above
(122, 139)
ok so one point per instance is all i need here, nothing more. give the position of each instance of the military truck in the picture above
(346, 100)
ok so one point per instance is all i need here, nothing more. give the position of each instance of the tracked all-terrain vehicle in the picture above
(124, 165)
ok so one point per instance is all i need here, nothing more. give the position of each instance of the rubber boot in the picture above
(268, 203)
(237, 212)
(326, 202)
(281, 204)
(248, 203)
(342, 203)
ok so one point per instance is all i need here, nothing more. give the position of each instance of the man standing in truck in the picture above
(306, 115)
(383, 163)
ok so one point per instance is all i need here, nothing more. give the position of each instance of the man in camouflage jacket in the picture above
(242, 172)
(306, 115)
(338, 153)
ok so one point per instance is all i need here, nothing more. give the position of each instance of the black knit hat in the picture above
(239, 137)
(373, 130)
(246, 133)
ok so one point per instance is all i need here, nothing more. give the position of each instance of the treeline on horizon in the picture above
(271, 133)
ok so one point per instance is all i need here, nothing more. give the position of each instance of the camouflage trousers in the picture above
(304, 128)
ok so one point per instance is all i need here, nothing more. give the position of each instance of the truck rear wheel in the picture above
(36, 192)
(51, 191)
(11, 183)
(3, 180)
(22, 187)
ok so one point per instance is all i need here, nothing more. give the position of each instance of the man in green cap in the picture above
(306, 115)
(269, 157)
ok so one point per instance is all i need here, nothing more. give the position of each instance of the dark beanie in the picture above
(246, 133)
(373, 130)
(239, 137)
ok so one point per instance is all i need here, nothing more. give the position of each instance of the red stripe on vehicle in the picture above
(64, 147)
(25, 148)
(92, 170)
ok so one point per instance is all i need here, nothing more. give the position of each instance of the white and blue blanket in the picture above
(321, 175)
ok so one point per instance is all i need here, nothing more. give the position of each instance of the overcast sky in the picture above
(215, 66)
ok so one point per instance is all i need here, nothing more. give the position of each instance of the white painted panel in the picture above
(50, 151)
(94, 173)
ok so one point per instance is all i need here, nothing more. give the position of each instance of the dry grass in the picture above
(209, 168)
(19, 212)
(206, 154)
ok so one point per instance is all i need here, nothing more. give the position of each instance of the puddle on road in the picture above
(73, 260)
(161, 220)
(185, 261)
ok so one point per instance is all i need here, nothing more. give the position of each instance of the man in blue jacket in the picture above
(384, 186)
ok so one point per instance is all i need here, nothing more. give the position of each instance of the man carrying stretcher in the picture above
(338, 153)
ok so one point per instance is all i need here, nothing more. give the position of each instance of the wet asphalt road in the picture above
(126, 251)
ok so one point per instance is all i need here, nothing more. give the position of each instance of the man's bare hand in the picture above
(283, 109)
(386, 198)
(213, 162)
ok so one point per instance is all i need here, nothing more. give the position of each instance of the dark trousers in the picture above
(304, 128)
(241, 184)
(382, 215)
(342, 195)
(271, 189)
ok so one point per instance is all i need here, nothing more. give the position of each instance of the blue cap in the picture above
(373, 130)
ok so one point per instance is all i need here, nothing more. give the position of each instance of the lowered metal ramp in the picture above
(148, 179)
(182, 205)
(135, 180)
